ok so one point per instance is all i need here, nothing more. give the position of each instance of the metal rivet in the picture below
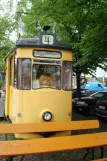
(19, 114)
(69, 113)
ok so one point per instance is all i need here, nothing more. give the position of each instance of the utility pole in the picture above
(20, 25)
(54, 29)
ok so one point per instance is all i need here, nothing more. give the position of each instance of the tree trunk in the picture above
(78, 85)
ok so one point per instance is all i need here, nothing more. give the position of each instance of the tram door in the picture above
(12, 94)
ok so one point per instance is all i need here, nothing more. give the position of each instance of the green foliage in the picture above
(82, 23)
(6, 27)
(0, 84)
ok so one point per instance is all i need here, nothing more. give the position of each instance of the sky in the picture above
(6, 9)
(11, 11)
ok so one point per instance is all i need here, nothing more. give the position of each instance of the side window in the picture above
(15, 71)
(11, 71)
(24, 73)
(99, 85)
(67, 81)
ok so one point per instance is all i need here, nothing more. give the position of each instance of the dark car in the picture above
(87, 104)
(84, 93)
(101, 107)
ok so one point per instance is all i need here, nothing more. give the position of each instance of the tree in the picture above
(6, 27)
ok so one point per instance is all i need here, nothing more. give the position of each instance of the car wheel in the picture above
(91, 110)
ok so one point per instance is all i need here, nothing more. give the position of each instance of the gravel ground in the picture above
(75, 155)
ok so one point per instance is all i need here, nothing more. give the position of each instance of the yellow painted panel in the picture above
(19, 106)
(28, 52)
(35, 102)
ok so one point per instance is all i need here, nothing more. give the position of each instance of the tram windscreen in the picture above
(46, 76)
(67, 73)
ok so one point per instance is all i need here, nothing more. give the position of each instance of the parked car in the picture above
(87, 104)
(101, 107)
(94, 86)
(84, 93)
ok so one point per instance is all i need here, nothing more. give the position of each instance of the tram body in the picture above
(38, 83)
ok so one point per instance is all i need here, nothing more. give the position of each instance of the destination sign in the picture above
(47, 54)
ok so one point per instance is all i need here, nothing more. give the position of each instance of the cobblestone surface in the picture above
(75, 155)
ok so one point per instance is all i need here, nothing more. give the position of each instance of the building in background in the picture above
(101, 76)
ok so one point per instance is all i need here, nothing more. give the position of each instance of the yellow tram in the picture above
(38, 82)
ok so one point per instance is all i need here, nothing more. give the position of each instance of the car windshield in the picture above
(98, 95)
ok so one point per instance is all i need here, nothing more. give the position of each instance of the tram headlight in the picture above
(47, 116)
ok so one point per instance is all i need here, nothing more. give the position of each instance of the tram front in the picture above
(43, 83)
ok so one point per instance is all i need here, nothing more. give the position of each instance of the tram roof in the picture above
(34, 42)
(37, 43)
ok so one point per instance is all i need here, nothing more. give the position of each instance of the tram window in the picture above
(67, 68)
(11, 70)
(15, 72)
(24, 73)
(46, 76)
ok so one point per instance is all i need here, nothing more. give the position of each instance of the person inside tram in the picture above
(46, 79)
(41, 77)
